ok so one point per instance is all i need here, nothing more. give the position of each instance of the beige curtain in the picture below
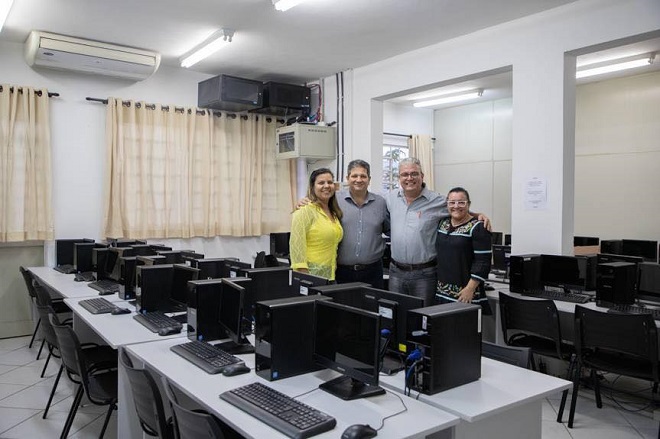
(421, 146)
(179, 174)
(25, 168)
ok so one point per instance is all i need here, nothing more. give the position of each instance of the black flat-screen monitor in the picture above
(585, 241)
(497, 238)
(279, 244)
(64, 250)
(638, 247)
(568, 272)
(347, 340)
(611, 246)
(302, 282)
(171, 256)
(649, 282)
(501, 254)
(231, 318)
(507, 239)
(143, 250)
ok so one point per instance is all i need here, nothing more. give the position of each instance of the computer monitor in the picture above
(64, 250)
(585, 241)
(82, 255)
(171, 256)
(611, 246)
(347, 340)
(302, 282)
(507, 239)
(189, 255)
(501, 254)
(143, 250)
(231, 317)
(181, 275)
(649, 282)
(211, 268)
(160, 248)
(496, 238)
(637, 247)
(279, 244)
(566, 272)
(151, 260)
(235, 268)
(112, 265)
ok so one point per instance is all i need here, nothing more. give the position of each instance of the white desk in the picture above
(505, 403)
(418, 421)
(62, 284)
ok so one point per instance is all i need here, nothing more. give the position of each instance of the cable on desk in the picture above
(405, 409)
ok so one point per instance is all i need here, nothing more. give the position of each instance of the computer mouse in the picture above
(235, 369)
(359, 431)
(169, 330)
(117, 311)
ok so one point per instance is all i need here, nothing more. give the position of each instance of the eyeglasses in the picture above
(461, 203)
(409, 174)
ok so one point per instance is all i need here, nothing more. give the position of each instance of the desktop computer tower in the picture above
(82, 256)
(127, 277)
(449, 338)
(99, 258)
(616, 283)
(153, 284)
(203, 310)
(592, 271)
(524, 273)
(284, 343)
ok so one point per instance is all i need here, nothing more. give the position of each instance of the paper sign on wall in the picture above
(536, 194)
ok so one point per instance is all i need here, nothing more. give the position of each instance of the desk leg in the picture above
(128, 425)
(522, 422)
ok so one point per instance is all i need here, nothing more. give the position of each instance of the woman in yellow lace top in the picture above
(315, 228)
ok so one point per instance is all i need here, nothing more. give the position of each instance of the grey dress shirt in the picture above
(414, 226)
(364, 226)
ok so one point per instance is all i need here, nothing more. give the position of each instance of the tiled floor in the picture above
(23, 394)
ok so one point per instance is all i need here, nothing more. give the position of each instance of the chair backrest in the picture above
(514, 355)
(531, 316)
(29, 282)
(43, 297)
(46, 327)
(190, 424)
(607, 335)
(70, 351)
(147, 399)
(260, 260)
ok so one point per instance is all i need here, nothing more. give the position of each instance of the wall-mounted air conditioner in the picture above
(68, 53)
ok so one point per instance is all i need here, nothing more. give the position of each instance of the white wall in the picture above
(78, 142)
(543, 104)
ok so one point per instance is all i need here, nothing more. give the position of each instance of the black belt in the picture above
(413, 267)
(359, 267)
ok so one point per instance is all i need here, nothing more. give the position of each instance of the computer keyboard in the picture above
(561, 296)
(87, 276)
(154, 321)
(65, 268)
(207, 357)
(97, 305)
(635, 309)
(284, 413)
(105, 286)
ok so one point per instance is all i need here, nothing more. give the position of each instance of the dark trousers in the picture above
(371, 274)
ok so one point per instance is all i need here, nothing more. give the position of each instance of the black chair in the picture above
(534, 323)
(98, 382)
(27, 277)
(196, 424)
(147, 399)
(521, 357)
(624, 344)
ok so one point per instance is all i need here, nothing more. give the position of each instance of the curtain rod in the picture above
(403, 135)
(38, 92)
(179, 109)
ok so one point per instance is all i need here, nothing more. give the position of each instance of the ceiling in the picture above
(308, 42)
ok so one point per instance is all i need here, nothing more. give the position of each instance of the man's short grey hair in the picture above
(410, 161)
(359, 164)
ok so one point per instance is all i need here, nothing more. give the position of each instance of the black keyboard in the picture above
(561, 296)
(635, 309)
(87, 276)
(156, 320)
(285, 414)
(104, 286)
(210, 358)
(65, 268)
(97, 306)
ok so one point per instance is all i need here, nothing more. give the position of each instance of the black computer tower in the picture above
(127, 267)
(82, 256)
(284, 342)
(616, 283)
(592, 271)
(524, 273)
(99, 259)
(152, 286)
(203, 310)
(449, 338)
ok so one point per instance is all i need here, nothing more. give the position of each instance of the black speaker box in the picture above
(284, 343)
(203, 310)
(449, 337)
(616, 283)
(524, 273)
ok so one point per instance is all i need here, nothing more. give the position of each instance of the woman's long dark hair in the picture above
(332, 203)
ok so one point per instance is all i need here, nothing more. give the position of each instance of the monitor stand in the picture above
(347, 388)
(234, 348)
(392, 363)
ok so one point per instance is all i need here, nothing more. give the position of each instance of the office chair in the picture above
(148, 401)
(534, 324)
(196, 424)
(517, 356)
(625, 344)
(97, 382)
(27, 277)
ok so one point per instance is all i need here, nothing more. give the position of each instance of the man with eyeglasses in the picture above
(415, 213)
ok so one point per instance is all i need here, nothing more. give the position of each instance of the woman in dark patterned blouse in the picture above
(464, 253)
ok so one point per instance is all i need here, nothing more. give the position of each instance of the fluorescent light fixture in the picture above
(5, 6)
(434, 94)
(473, 94)
(211, 45)
(600, 68)
(285, 5)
